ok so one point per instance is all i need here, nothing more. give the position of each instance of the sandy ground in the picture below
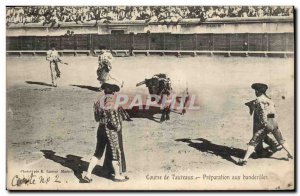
(54, 129)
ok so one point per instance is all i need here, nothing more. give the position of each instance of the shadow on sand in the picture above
(75, 164)
(91, 88)
(38, 83)
(224, 152)
(135, 112)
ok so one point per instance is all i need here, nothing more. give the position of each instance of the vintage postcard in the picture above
(150, 98)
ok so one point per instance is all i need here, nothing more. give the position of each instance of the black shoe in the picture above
(120, 180)
(87, 180)
(241, 162)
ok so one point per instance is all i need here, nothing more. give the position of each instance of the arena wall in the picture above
(158, 41)
(245, 34)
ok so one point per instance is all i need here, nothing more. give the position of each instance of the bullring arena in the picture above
(53, 129)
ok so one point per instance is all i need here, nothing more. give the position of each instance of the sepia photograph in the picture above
(150, 98)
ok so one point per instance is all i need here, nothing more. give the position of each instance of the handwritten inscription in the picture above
(33, 179)
(18, 181)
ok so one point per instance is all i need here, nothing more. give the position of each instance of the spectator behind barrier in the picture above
(55, 15)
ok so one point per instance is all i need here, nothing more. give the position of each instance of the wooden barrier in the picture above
(162, 43)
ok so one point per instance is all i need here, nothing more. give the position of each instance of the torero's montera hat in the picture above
(260, 87)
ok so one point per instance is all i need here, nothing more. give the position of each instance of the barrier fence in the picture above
(274, 42)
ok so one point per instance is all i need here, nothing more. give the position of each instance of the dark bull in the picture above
(160, 85)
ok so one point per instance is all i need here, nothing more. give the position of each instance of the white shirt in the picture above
(52, 55)
(264, 106)
(106, 56)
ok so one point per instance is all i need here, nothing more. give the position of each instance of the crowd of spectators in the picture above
(55, 15)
